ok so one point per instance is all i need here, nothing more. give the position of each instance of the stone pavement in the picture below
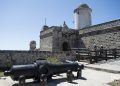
(112, 65)
(89, 78)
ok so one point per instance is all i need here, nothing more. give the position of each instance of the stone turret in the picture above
(45, 27)
(32, 45)
(82, 16)
(65, 27)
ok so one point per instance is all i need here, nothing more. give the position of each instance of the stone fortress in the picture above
(59, 40)
(83, 35)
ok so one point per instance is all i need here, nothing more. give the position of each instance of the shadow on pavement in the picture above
(29, 84)
(83, 78)
(52, 82)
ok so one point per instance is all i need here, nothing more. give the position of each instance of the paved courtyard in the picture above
(90, 78)
(111, 62)
(112, 65)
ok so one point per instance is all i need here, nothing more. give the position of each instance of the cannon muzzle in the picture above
(7, 73)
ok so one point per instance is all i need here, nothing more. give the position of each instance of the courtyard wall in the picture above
(13, 57)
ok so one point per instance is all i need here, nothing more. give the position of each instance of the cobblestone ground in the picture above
(89, 78)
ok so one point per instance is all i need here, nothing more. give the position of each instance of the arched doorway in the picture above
(65, 46)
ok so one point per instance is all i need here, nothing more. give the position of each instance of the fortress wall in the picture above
(107, 34)
(12, 57)
(46, 40)
(102, 26)
(46, 43)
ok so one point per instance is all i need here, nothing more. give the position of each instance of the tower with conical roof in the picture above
(82, 16)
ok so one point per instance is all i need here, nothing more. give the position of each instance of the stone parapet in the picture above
(13, 57)
(102, 26)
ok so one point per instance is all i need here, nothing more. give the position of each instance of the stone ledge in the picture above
(102, 26)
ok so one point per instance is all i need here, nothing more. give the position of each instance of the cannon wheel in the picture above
(49, 77)
(69, 76)
(43, 80)
(21, 80)
(36, 79)
(79, 73)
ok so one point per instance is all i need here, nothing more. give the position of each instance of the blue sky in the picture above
(21, 20)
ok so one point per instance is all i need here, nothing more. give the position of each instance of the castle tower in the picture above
(32, 45)
(82, 16)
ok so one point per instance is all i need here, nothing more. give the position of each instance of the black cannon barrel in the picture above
(38, 68)
(51, 69)
(29, 71)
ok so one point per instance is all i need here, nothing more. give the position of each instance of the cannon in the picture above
(40, 68)
(28, 70)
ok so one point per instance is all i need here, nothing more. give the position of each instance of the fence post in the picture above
(106, 54)
(114, 53)
(90, 57)
(96, 54)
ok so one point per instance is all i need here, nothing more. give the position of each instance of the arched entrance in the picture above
(65, 46)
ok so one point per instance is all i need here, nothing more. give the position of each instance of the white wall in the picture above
(83, 18)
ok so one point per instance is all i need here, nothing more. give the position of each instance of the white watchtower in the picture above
(82, 16)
